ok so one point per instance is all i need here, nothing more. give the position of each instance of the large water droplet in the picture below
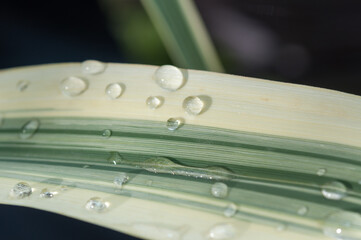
(45, 193)
(169, 77)
(302, 210)
(121, 179)
(115, 158)
(21, 190)
(222, 231)
(73, 86)
(96, 204)
(321, 171)
(107, 133)
(92, 67)
(334, 190)
(230, 210)
(29, 129)
(159, 164)
(114, 90)
(154, 102)
(193, 105)
(343, 225)
(219, 190)
(22, 85)
(174, 123)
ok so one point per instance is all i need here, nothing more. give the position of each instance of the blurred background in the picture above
(316, 43)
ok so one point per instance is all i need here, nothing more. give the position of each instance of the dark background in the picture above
(316, 43)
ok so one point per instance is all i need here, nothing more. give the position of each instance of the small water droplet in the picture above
(121, 179)
(219, 190)
(21, 190)
(174, 123)
(29, 129)
(92, 67)
(280, 227)
(158, 231)
(45, 193)
(115, 158)
(107, 133)
(114, 90)
(193, 105)
(334, 190)
(96, 204)
(230, 210)
(321, 171)
(22, 85)
(169, 77)
(343, 225)
(222, 231)
(154, 102)
(302, 210)
(73, 86)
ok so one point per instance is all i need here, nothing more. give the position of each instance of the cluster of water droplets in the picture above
(21, 190)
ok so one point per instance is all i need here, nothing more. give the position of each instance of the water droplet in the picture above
(174, 123)
(280, 227)
(302, 210)
(107, 133)
(222, 231)
(96, 204)
(230, 210)
(21, 190)
(29, 129)
(73, 86)
(169, 77)
(115, 158)
(334, 190)
(114, 90)
(159, 164)
(158, 231)
(121, 179)
(92, 67)
(86, 166)
(193, 105)
(321, 172)
(45, 193)
(343, 225)
(219, 190)
(22, 85)
(154, 102)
